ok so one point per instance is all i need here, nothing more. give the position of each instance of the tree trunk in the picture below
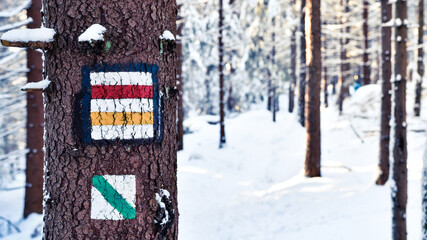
(314, 80)
(424, 195)
(400, 174)
(366, 68)
(273, 53)
(325, 74)
(293, 82)
(420, 65)
(301, 94)
(180, 108)
(344, 66)
(110, 153)
(221, 80)
(384, 163)
(35, 119)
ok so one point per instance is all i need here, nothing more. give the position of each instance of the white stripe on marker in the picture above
(121, 78)
(124, 132)
(121, 105)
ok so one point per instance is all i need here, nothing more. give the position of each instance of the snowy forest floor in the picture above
(254, 188)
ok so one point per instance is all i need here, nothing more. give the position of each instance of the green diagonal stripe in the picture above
(113, 197)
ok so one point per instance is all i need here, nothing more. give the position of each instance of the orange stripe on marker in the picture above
(120, 118)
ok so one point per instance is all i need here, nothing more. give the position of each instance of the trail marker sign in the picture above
(121, 101)
(113, 197)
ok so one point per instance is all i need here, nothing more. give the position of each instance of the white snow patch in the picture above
(167, 35)
(29, 35)
(42, 85)
(163, 193)
(93, 33)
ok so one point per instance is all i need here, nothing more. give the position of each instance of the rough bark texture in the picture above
(293, 72)
(384, 162)
(314, 80)
(424, 198)
(133, 29)
(366, 68)
(180, 108)
(400, 172)
(221, 80)
(420, 61)
(35, 119)
(303, 70)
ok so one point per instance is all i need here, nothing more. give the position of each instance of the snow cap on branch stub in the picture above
(34, 38)
(93, 39)
(167, 42)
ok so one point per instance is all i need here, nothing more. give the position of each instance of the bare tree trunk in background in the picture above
(221, 80)
(303, 70)
(384, 162)
(35, 122)
(293, 82)
(400, 172)
(366, 68)
(110, 177)
(179, 60)
(344, 66)
(420, 65)
(273, 53)
(325, 73)
(314, 80)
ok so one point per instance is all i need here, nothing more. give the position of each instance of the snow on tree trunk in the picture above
(384, 162)
(366, 68)
(221, 79)
(110, 122)
(35, 119)
(314, 80)
(400, 173)
(303, 70)
(420, 61)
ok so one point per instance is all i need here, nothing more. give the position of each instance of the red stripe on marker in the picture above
(121, 91)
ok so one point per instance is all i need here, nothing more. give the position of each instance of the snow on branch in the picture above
(93, 33)
(34, 38)
(36, 86)
(16, 10)
(167, 35)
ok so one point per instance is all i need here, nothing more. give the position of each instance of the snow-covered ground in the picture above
(254, 188)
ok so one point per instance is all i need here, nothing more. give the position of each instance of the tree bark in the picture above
(303, 70)
(366, 68)
(384, 163)
(273, 53)
(400, 174)
(180, 108)
(420, 61)
(221, 80)
(79, 167)
(35, 119)
(314, 79)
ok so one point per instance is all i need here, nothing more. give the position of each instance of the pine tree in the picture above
(384, 162)
(366, 68)
(400, 154)
(34, 169)
(420, 60)
(303, 67)
(314, 79)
